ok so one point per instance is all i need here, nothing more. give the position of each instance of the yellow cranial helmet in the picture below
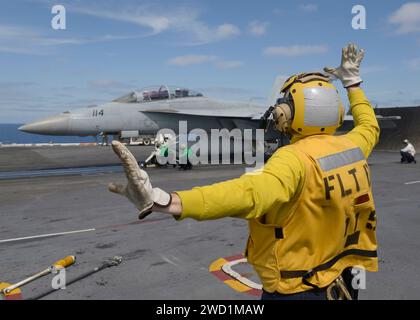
(310, 105)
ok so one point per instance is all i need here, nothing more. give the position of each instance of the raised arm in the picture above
(366, 129)
(365, 133)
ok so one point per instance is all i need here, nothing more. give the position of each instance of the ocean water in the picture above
(9, 133)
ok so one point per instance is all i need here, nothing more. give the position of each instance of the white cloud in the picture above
(407, 18)
(29, 40)
(181, 20)
(10, 37)
(258, 28)
(155, 19)
(309, 7)
(191, 59)
(9, 31)
(139, 16)
(296, 50)
(414, 64)
(227, 30)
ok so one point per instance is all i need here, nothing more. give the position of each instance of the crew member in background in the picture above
(408, 153)
(160, 150)
(310, 209)
(152, 158)
(184, 158)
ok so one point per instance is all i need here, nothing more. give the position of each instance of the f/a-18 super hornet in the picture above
(146, 111)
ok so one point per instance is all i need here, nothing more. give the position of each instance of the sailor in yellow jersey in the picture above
(310, 209)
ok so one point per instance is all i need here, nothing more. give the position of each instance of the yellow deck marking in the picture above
(217, 265)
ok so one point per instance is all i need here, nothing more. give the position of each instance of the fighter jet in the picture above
(146, 111)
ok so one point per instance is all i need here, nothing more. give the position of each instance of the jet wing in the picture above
(231, 119)
(230, 113)
(208, 120)
(204, 120)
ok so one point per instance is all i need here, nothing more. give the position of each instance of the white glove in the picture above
(138, 190)
(348, 71)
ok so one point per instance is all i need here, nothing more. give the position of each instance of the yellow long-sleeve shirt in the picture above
(253, 195)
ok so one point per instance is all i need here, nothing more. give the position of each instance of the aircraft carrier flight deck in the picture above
(48, 216)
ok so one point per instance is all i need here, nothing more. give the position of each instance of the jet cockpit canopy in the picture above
(154, 93)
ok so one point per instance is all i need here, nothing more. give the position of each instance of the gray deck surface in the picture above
(165, 259)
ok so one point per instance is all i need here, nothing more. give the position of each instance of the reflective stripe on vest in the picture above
(340, 159)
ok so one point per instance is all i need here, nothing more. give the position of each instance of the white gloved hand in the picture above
(138, 190)
(349, 70)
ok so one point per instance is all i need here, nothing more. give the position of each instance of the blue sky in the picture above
(226, 49)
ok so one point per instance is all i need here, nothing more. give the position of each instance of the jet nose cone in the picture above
(56, 125)
(25, 128)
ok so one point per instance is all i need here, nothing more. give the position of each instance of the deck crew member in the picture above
(310, 209)
(408, 153)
